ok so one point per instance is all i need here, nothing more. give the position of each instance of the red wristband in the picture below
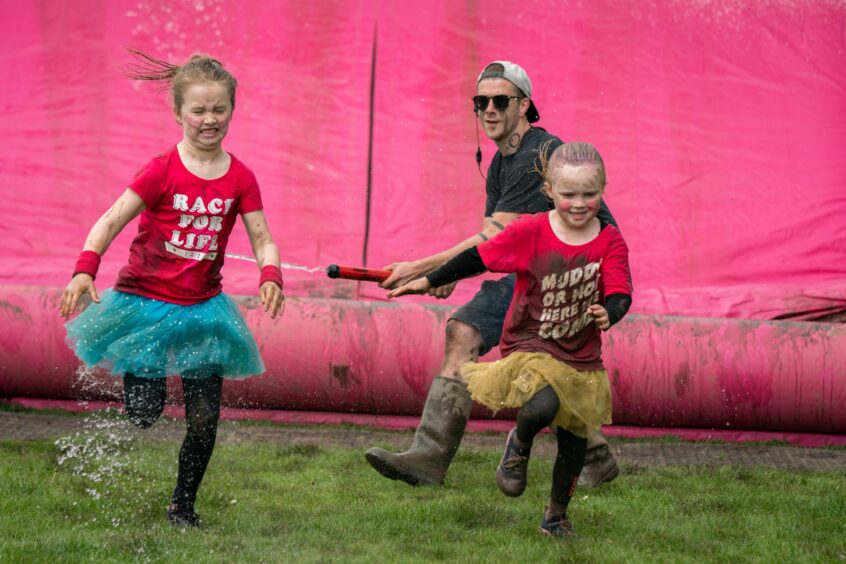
(271, 273)
(87, 263)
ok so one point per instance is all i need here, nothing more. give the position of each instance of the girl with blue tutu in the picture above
(572, 281)
(166, 314)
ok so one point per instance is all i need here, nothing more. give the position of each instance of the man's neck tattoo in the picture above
(517, 138)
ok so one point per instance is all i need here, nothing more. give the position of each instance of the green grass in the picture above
(282, 503)
(15, 408)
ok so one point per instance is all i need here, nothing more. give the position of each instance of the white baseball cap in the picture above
(514, 74)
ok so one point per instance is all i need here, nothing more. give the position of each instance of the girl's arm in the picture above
(465, 264)
(110, 224)
(267, 257)
(615, 308)
(402, 272)
(618, 286)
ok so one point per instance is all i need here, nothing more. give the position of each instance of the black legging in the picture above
(144, 399)
(537, 413)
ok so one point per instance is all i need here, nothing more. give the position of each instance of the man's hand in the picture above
(402, 272)
(272, 299)
(600, 316)
(442, 292)
(419, 286)
(80, 284)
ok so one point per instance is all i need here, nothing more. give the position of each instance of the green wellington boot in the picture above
(600, 464)
(436, 441)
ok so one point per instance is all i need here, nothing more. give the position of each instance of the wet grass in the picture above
(105, 501)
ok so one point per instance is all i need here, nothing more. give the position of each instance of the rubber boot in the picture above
(436, 441)
(600, 464)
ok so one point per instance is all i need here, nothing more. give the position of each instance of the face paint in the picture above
(205, 115)
(576, 194)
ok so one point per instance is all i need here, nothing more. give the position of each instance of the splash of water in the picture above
(99, 453)
(284, 265)
(102, 456)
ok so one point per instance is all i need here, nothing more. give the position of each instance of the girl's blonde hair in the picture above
(576, 153)
(197, 69)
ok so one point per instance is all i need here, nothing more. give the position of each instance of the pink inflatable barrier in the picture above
(378, 358)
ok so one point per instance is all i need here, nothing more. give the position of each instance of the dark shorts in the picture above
(486, 311)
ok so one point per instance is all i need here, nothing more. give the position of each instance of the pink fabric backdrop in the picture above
(722, 125)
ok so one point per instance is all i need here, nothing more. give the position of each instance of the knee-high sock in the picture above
(568, 466)
(143, 399)
(202, 412)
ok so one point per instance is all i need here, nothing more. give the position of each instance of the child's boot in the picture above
(556, 524)
(511, 474)
(180, 516)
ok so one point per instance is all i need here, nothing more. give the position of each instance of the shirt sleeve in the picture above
(148, 181)
(615, 267)
(463, 265)
(617, 305)
(250, 199)
(511, 250)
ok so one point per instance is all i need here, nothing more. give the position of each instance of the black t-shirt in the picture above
(513, 184)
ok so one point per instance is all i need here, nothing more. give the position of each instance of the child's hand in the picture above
(419, 286)
(272, 298)
(600, 316)
(80, 284)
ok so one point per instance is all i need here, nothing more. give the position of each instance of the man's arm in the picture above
(403, 272)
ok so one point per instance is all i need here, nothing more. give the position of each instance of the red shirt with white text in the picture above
(182, 233)
(556, 283)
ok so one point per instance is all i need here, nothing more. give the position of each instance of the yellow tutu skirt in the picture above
(585, 396)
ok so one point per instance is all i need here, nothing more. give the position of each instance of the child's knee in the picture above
(462, 336)
(204, 419)
(463, 343)
(143, 417)
(144, 399)
(542, 407)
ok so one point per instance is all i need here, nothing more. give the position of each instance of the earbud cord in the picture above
(478, 149)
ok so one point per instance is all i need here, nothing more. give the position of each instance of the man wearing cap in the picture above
(504, 106)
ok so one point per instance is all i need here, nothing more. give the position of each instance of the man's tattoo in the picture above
(483, 237)
(497, 224)
(514, 141)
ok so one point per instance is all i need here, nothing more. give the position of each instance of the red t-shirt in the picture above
(178, 252)
(556, 283)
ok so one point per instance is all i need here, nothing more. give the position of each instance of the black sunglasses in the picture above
(500, 102)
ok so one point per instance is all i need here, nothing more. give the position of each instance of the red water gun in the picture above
(356, 273)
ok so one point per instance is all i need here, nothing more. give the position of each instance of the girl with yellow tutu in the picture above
(572, 282)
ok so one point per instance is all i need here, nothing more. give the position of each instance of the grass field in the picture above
(100, 497)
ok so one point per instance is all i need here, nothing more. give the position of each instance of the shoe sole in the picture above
(394, 472)
(506, 491)
(543, 531)
(182, 523)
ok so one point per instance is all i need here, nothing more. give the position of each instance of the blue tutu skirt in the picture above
(153, 339)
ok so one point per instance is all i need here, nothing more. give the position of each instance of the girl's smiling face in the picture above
(205, 115)
(576, 192)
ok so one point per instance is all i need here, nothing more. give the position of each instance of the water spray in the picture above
(333, 270)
